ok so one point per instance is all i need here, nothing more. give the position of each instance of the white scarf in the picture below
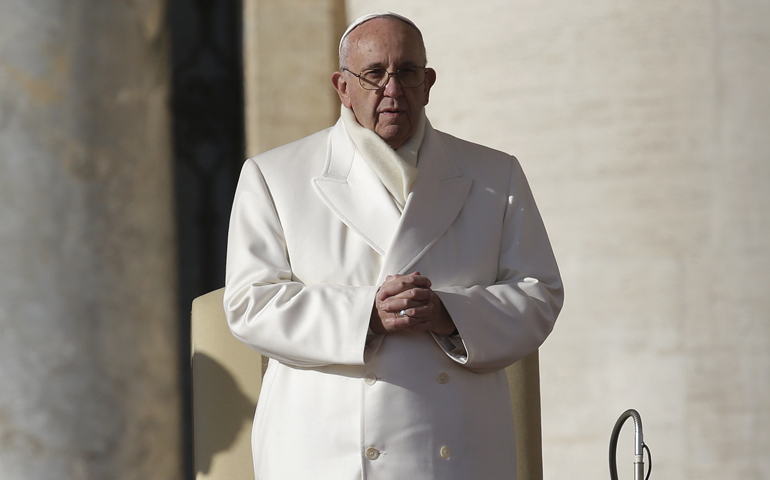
(397, 169)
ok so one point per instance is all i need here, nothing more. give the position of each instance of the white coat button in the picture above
(370, 379)
(442, 377)
(445, 453)
(372, 453)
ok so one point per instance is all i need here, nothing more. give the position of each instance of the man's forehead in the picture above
(386, 36)
(372, 16)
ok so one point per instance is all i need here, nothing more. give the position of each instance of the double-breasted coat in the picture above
(313, 233)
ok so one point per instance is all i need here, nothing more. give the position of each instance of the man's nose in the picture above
(393, 88)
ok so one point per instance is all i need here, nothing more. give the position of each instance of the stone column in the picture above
(87, 294)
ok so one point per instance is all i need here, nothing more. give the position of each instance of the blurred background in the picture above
(643, 127)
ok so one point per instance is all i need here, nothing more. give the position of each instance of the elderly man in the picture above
(390, 272)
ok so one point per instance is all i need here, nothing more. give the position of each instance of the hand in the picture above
(411, 294)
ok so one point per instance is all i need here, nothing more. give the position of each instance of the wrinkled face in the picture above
(392, 112)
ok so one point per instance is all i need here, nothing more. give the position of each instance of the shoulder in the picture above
(297, 154)
(454, 144)
(477, 160)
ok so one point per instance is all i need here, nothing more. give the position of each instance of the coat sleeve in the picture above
(272, 312)
(501, 323)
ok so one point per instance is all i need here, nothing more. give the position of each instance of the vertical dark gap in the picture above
(208, 126)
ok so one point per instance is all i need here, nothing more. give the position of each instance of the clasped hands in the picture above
(407, 303)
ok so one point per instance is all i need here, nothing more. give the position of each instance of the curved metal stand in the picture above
(639, 446)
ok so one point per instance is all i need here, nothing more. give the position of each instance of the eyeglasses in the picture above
(377, 78)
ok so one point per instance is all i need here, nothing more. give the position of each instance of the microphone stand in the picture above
(639, 446)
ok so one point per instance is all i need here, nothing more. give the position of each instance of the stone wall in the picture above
(87, 298)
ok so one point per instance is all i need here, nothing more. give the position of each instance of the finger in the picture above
(401, 284)
(414, 308)
(417, 280)
(394, 284)
(413, 278)
(416, 273)
(417, 294)
(395, 304)
(399, 322)
(388, 289)
(420, 295)
(421, 312)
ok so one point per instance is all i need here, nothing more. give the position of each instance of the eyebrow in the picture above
(379, 65)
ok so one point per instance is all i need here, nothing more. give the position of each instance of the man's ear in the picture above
(430, 79)
(341, 85)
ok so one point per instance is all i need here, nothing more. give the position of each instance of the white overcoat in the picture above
(313, 233)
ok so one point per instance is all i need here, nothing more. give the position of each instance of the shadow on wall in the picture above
(226, 407)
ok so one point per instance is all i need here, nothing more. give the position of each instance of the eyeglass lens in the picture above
(377, 78)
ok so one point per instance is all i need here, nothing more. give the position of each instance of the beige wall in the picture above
(289, 55)
(644, 128)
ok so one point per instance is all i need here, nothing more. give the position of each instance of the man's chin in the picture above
(394, 135)
(394, 141)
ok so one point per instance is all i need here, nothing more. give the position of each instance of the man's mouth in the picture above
(392, 111)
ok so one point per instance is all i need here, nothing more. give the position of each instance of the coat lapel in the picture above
(352, 190)
(436, 199)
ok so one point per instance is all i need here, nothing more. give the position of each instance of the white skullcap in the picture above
(365, 18)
